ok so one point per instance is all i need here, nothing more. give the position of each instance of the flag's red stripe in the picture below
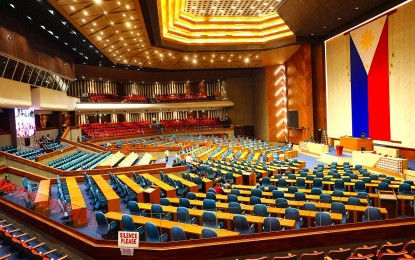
(378, 91)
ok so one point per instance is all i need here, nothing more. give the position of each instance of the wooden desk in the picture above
(353, 143)
(388, 200)
(42, 198)
(192, 186)
(248, 178)
(168, 224)
(113, 199)
(207, 184)
(405, 208)
(79, 210)
(170, 191)
(150, 195)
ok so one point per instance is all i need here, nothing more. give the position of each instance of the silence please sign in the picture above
(128, 239)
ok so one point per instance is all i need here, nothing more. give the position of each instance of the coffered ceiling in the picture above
(191, 34)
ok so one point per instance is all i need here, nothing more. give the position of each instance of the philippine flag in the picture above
(370, 80)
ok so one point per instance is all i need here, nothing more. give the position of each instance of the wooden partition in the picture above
(359, 233)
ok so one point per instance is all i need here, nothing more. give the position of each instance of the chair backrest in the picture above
(152, 233)
(134, 208)
(232, 198)
(309, 206)
(177, 233)
(128, 223)
(157, 211)
(256, 192)
(241, 225)
(208, 233)
(337, 193)
(359, 186)
(395, 247)
(341, 254)
(316, 191)
(191, 196)
(312, 256)
(383, 186)
(410, 246)
(325, 198)
(372, 213)
(277, 194)
(165, 201)
(183, 215)
(253, 200)
(299, 196)
(266, 181)
(260, 210)
(209, 219)
(236, 192)
(404, 189)
(184, 202)
(234, 208)
(292, 213)
(209, 204)
(366, 250)
(339, 185)
(317, 183)
(212, 190)
(282, 183)
(271, 224)
(300, 183)
(391, 255)
(101, 219)
(281, 203)
(354, 201)
(210, 195)
(322, 218)
(338, 207)
(292, 189)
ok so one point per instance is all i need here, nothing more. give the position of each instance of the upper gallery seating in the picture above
(134, 98)
(116, 129)
(207, 123)
(181, 97)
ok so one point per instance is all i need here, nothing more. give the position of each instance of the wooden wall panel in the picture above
(300, 92)
(319, 87)
(271, 100)
(260, 104)
(31, 46)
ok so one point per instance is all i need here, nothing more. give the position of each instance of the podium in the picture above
(356, 144)
(339, 150)
(249, 178)
(389, 201)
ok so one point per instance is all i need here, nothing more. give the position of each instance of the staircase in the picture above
(58, 138)
(325, 138)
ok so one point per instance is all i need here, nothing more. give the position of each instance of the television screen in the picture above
(25, 122)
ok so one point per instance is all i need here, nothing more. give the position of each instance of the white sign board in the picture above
(128, 239)
(127, 251)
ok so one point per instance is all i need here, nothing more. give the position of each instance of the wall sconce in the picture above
(9, 37)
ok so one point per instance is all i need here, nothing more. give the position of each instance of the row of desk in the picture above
(189, 229)
(280, 212)
(79, 210)
(297, 204)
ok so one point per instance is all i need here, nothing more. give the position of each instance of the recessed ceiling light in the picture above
(339, 18)
(128, 7)
(105, 12)
(28, 17)
(95, 24)
(356, 8)
(85, 13)
(83, 20)
(98, 1)
(12, 5)
(193, 7)
(72, 8)
(213, 7)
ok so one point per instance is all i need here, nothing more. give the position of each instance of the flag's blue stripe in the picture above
(358, 75)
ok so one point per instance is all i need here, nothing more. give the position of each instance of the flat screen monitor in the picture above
(25, 122)
(292, 117)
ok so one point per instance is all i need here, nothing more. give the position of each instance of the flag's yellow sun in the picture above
(367, 39)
